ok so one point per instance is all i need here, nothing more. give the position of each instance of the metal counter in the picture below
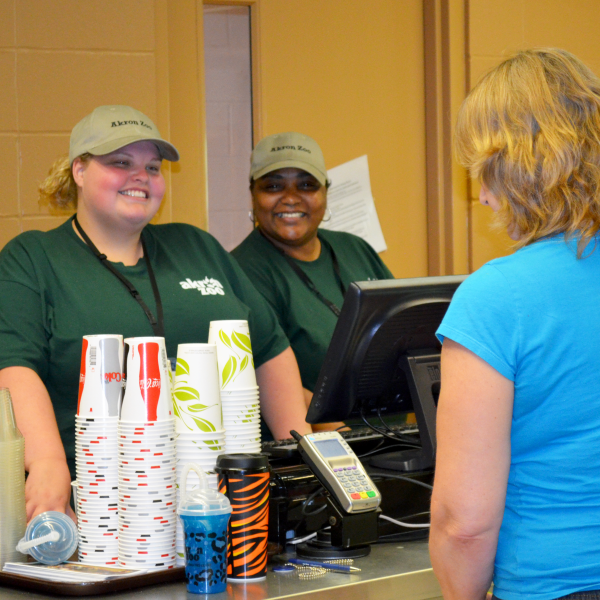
(390, 572)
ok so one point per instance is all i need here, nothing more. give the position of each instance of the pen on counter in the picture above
(329, 566)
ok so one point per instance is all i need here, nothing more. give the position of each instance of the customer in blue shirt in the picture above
(517, 488)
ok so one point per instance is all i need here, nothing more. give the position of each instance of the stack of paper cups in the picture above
(100, 392)
(147, 460)
(239, 393)
(198, 420)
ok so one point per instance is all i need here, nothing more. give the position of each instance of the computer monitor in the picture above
(384, 359)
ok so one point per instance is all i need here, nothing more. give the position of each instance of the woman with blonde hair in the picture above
(108, 270)
(518, 466)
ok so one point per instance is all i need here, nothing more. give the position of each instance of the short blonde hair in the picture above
(59, 188)
(530, 131)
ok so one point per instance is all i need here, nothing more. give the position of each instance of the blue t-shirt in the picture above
(535, 317)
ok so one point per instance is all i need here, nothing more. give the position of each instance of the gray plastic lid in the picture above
(202, 501)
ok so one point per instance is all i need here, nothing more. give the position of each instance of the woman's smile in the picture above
(122, 189)
(289, 204)
(134, 193)
(291, 215)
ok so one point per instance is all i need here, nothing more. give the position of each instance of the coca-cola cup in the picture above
(148, 392)
(101, 376)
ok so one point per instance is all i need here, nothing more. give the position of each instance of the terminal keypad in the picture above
(354, 482)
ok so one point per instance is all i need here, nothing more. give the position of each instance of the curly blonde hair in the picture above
(530, 131)
(59, 188)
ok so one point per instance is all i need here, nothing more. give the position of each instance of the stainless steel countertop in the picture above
(390, 572)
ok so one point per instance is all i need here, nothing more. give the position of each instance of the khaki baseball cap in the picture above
(288, 150)
(108, 128)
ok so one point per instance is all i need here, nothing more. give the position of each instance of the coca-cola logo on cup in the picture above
(150, 383)
(149, 377)
(109, 377)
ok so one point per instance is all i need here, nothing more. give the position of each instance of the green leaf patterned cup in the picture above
(196, 394)
(234, 354)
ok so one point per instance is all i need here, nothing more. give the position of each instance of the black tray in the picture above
(91, 588)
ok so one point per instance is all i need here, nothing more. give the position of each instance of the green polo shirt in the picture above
(54, 291)
(308, 322)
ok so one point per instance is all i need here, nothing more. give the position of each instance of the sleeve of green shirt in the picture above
(23, 312)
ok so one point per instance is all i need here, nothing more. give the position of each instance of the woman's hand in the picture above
(48, 487)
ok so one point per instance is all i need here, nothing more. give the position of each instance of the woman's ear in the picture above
(78, 169)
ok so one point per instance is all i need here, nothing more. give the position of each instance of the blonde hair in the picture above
(530, 131)
(59, 188)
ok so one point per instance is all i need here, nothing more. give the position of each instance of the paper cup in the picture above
(196, 393)
(148, 392)
(101, 376)
(234, 354)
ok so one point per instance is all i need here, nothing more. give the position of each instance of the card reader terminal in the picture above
(339, 470)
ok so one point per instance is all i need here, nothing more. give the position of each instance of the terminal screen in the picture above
(329, 448)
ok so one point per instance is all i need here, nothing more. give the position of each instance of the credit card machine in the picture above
(337, 467)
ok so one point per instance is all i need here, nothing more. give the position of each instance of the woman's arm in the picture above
(48, 485)
(281, 398)
(473, 459)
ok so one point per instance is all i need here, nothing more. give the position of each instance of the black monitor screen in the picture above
(384, 349)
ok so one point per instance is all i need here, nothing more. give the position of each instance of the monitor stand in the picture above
(422, 370)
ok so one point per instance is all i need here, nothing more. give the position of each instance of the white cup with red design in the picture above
(148, 392)
(101, 376)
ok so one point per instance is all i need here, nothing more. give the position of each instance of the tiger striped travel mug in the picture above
(244, 479)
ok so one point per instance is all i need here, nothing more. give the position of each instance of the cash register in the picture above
(383, 363)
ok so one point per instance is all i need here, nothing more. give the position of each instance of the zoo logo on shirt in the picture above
(206, 286)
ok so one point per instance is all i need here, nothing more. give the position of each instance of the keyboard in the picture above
(356, 438)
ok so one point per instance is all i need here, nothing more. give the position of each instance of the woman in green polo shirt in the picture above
(302, 271)
(62, 284)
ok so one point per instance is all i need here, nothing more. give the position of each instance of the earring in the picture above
(327, 210)
(251, 216)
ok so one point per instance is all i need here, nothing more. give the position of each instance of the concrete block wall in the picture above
(58, 60)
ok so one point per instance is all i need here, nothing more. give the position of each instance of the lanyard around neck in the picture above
(158, 325)
(308, 282)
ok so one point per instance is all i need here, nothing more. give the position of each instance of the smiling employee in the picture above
(301, 270)
(62, 284)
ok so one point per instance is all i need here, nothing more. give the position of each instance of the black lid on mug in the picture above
(242, 462)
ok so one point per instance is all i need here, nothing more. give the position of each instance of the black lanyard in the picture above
(158, 326)
(307, 280)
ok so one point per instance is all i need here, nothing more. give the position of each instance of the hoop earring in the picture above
(251, 216)
(327, 215)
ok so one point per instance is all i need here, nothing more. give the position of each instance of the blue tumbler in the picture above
(204, 514)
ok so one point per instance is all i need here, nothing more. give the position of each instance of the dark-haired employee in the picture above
(301, 270)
